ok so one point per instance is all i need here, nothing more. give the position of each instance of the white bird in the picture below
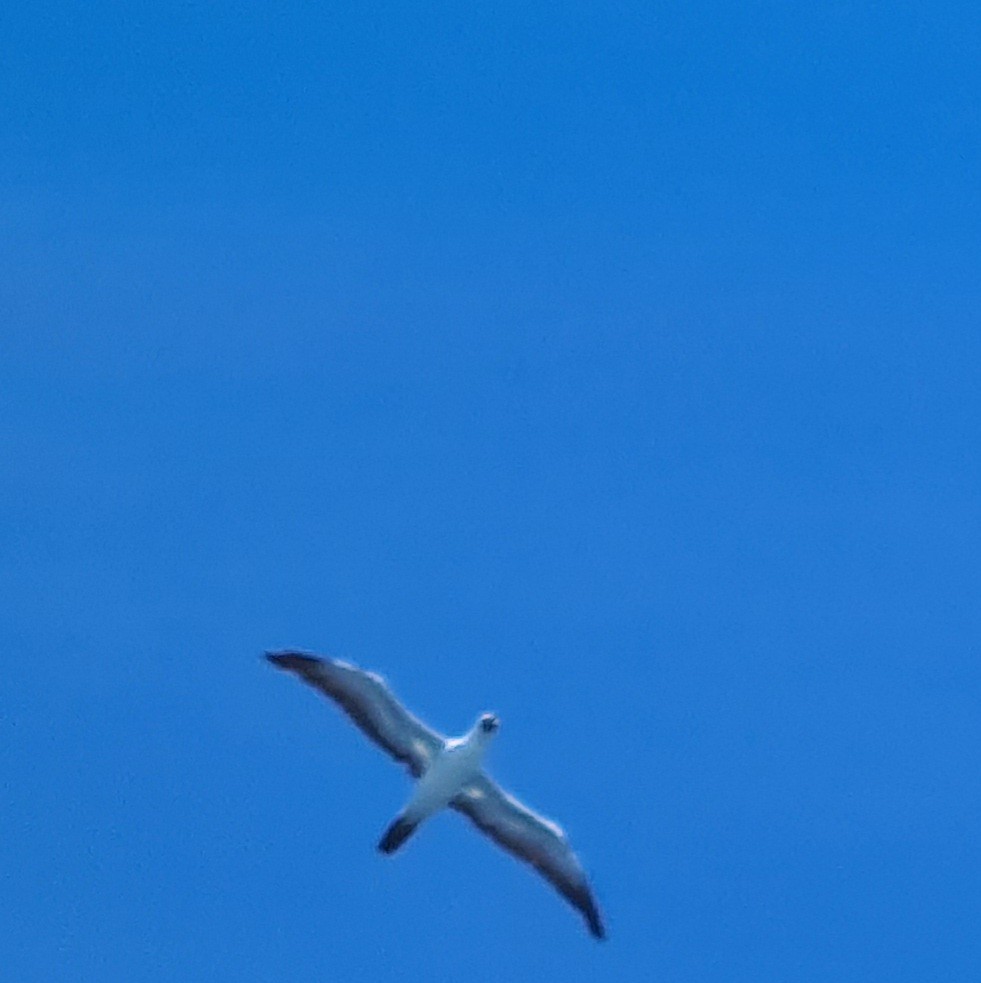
(449, 773)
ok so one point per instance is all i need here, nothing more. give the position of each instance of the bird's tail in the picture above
(396, 834)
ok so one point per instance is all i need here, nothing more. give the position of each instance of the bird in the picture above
(449, 773)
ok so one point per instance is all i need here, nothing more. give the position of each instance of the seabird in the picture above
(448, 772)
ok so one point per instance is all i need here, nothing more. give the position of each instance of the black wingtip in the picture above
(291, 660)
(281, 660)
(590, 913)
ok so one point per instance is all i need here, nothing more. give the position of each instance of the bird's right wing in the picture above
(532, 838)
(367, 700)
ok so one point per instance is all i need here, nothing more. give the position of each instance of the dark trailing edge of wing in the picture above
(530, 841)
(368, 701)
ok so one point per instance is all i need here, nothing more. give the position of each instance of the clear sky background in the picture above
(614, 367)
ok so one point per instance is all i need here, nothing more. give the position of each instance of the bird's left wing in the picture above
(531, 838)
(367, 700)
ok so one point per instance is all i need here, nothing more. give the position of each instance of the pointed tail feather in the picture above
(396, 834)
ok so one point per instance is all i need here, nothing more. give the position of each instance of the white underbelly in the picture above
(442, 781)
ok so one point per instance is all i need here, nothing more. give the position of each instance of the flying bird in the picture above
(448, 772)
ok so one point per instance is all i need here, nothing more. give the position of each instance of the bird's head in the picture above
(488, 724)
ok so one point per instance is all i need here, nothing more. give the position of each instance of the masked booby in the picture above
(448, 772)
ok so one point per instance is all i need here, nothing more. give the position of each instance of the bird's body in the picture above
(454, 767)
(451, 770)
(449, 773)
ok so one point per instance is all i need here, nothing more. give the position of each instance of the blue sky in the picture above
(613, 367)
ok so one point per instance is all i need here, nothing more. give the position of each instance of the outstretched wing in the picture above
(531, 838)
(367, 700)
